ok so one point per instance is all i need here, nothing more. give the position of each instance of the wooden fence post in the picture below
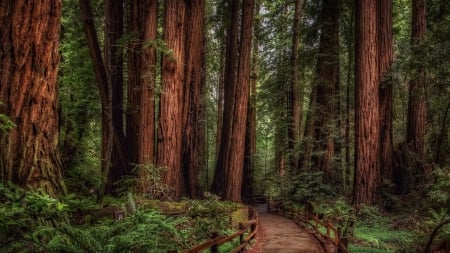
(214, 248)
(241, 237)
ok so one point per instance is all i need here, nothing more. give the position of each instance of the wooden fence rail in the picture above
(326, 232)
(251, 227)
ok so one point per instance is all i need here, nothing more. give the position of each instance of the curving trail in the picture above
(277, 234)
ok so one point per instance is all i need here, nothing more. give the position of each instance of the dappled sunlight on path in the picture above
(280, 235)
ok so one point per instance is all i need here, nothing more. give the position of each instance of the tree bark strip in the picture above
(29, 60)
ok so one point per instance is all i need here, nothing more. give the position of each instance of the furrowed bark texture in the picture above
(29, 58)
(193, 133)
(367, 176)
(234, 171)
(170, 114)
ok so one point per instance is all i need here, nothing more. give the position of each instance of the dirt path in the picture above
(277, 234)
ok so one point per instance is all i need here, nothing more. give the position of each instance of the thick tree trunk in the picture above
(141, 81)
(143, 22)
(171, 102)
(416, 122)
(234, 171)
(114, 71)
(218, 184)
(193, 134)
(327, 92)
(250, 136)
(367, 137)
(386, 96)
(29, 62)
(294, 113)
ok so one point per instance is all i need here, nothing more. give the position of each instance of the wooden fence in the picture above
(325, 232)
(251, 227)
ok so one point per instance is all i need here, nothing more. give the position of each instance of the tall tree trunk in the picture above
(294, 114)
(234, 171)
(29, 62)
(327, 90)
(193, 134)
(218, 184)
(143, 22)
(114, 72)
(386, 96)
(367, 134)
(416, 123)
(250, 136)
(171, 102)
(110, 136)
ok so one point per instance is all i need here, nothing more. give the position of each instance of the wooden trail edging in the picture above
(326, 233)
(217, 240)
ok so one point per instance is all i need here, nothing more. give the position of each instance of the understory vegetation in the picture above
(35, 222)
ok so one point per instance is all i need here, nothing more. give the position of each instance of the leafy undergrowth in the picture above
(35, 222)
(382, 232)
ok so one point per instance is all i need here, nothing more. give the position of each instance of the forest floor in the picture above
(277, 234)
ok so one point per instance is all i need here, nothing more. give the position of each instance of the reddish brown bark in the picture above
(169, 142)
(416, 122)
(250, 136)
(193, 133)
(218, 184)
(141, 81)
(386, 95)
(234, 171)
(367, 138)
(29, 62)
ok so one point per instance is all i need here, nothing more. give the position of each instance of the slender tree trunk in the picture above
(416, 123)
(367, 135)
(386, 96)
(327, 92)
(219, 182)
(294, 113)
(29, 62)
(193, 134)
(221, 88)
(308, 138)
(171, 101)
(348, 170)
(234, 171)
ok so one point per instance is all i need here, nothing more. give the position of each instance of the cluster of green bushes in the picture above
(35, 222)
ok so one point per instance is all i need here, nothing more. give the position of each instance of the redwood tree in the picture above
(218, 184)
(416, 122)
(29, 59)
(193, 121)
(367, 173)
(141, 81)
(250, 136)
(170, 128)
(234, 171)
(385, 90)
